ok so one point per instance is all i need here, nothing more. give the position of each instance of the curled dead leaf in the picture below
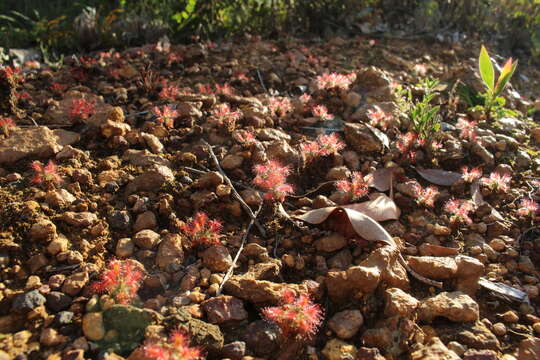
(381, 179)
(379, 208)
(439, 176)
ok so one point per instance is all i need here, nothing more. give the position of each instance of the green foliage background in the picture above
(51, 24)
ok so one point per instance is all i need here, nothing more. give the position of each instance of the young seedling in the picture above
(202, 231)
(528, 207)
(354, 189)
(47, 174)
(494, 88)
(425, 196)
(459, 211)
(165, 116)
(324, 145)
(298, 317)
(272, 178)
(6, 125)
(497, 182)
(175, 348)
(120, 280)
(81, 109)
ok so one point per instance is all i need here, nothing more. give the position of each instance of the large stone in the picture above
(398, 302)
(26, 302)
(331, 243)
(361, 139)
(433, 267)
(146, 239)
(81, 219)
(346, 323)
(434, 349)
(59, 113)
(336, 349)
(144, 158)
(224, 309)
(34, 142)
(455, 306)
(43, 229)
(150, 180)
(75, 283)
(92, 326)
(217, 258)
(170, 254)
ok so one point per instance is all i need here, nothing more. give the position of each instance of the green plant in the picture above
(493, 102)
(423, 115)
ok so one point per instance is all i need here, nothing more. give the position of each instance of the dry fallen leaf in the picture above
(363, 225)
(379, 208)
(476, 194)
(439, 176)
(382, 178)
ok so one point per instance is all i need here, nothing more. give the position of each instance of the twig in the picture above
(261, 81)
(244, 237)
(235, 193)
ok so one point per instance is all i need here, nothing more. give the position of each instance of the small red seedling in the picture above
(354, 189)
(169, 92)
(120, 280)
(334, 81)
(377, 117)
(245, 137)
(468, 129)
(202, 231)
(324, 145)
(165, 116)
(321, 113)
(45, 174)
(222, 115)
(471, 175)
(280, 106)
(425, 196)
(459, 210)
(272, 177)
(528, 207)
(297, 317)
(6, 125)
(497, 182)
(81, 109)
(176, 348)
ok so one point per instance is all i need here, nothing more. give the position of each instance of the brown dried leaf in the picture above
(379, 135)
(439, 176)
(363, 225)
(382, 178)
(379, 208)
(476, 194)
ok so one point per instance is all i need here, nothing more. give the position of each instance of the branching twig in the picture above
(235, 193)
(243, 242)
(261, 81)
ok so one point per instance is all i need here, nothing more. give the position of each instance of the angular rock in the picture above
(331, 243)
(224, 309)
(217, 258)
(262, 337)
(336, 349)
(81, 219)
(75, 283)
(434, 349)
(146, 220)
(150, 180)
(529, 349)
(93, 327)
(43, 229)
(28, 301)
(455, 306)
(146, 239)
(34, 142)
(433, 267)
(398, 302)
(58, 301)
(361, 139)
(170, 254)
(346, 323)
(144, 158)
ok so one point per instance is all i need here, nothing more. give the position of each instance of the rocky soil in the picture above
(131, 178)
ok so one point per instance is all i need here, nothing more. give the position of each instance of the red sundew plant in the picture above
(470, 175)
(121, 281)
(355, 189)
(377, 117)
(204, 89)
(176, 348)
(225, 89)
(173, 58)
(407, 143)
(459, 210)
(497, 182)
(202, 231)
(6, 125)
(81, 109)
(280, 106)
(165, 116)
(297, 317)
(13, 73)
(45, 174)
(468, 129)
(528, 207)
(245, 137)
(334, 81)
(425, 196)
(224, 116)
(324, 145)
(23, 95)
(169, 92)
(271, 177)
(241, 78)
(321, 112)
(58, 87)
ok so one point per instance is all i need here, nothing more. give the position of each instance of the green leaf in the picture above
(506, 74)
(486, 69)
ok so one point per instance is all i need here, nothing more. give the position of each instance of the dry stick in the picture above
(244, 237)
(235, 193)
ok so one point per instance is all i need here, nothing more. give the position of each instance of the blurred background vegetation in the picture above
(65, 26)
